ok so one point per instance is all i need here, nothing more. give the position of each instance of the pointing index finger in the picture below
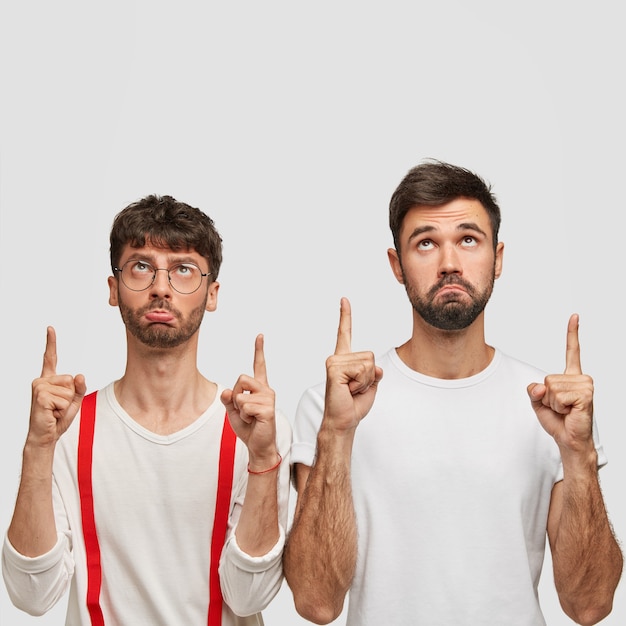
(49, 367)
(344, 333)
(572, 349)
(259, 368)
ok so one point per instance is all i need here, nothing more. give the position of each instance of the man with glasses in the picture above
(161, 498)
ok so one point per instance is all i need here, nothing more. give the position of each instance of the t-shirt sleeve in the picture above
(307, 423)
(602, 460)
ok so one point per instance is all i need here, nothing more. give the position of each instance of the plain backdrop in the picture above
(291, 124)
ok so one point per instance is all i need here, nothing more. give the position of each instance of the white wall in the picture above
(291, 124)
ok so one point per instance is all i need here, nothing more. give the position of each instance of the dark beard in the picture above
(451, 314)
(160, 335)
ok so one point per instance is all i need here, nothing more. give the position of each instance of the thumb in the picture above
(80, 386)
(227, 398)
(536, 392)
(80, 389)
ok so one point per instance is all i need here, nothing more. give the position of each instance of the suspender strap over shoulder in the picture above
(220, 522)
(92, 547)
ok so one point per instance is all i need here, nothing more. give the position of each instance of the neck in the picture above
(447, 354)
(163, 390)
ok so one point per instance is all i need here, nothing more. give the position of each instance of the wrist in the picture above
(40, 440)
(336, 443)
(37, 461)
(578, 464)
(264, 464)
(261, 463)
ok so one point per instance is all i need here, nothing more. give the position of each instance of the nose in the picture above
(161, 284)
(449, 260)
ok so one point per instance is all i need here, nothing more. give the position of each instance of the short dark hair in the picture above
(163, 221)
(434, 183)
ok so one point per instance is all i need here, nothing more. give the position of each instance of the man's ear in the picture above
(396, 267)
(113, 289)
(211, 301)
(499, 259)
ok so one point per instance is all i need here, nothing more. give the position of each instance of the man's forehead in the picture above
(459, 215)
(150, 250)
(458, 210)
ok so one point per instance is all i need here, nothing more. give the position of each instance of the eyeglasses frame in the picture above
(154, 273)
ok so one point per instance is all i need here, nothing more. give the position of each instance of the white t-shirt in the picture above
(451, 482)
(154, 505)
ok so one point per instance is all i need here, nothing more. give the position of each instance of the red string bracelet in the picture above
(271, 469)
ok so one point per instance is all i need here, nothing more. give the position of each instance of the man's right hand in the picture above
(56, 398)
(351, 379)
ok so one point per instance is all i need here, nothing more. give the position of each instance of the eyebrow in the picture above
(150, 258)
(420, 230)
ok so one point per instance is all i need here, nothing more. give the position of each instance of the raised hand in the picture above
(56, 398)
(564, 402)
(251, 409)
(351, 378)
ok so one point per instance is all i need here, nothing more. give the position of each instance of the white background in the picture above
(291, 123)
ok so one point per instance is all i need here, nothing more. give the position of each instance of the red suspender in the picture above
(220, 521)
(92, 548)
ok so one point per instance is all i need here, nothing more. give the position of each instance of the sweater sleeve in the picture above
(36, 584)
(250, 583)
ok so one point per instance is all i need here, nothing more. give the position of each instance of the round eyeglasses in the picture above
(139, 275)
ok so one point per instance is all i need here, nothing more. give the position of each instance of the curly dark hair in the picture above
(163, 221)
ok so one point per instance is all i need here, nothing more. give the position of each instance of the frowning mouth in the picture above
(451, 286)
(452, 289)
(160, 316)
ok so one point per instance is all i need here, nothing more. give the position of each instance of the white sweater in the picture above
(154, 501)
